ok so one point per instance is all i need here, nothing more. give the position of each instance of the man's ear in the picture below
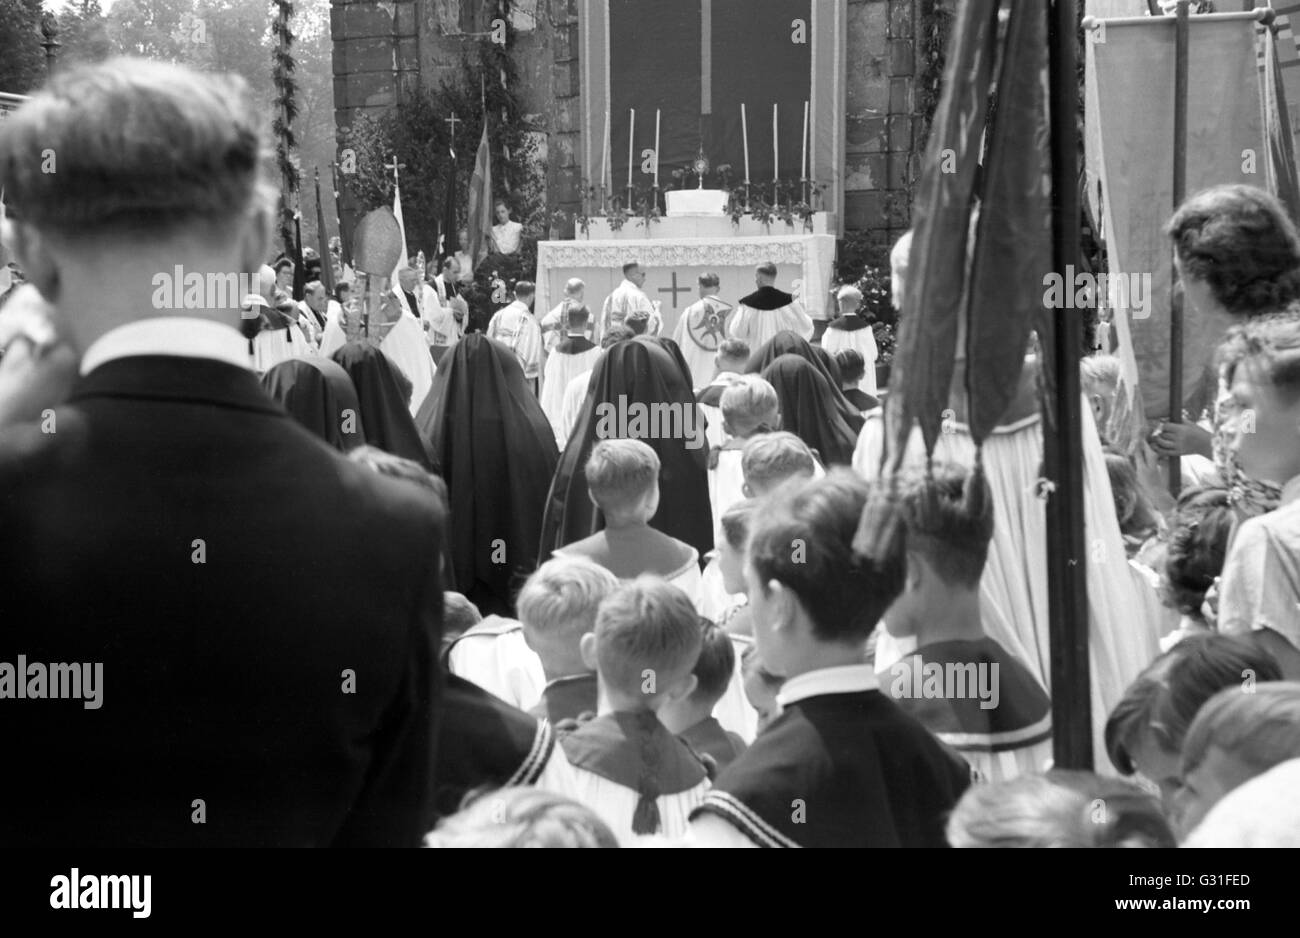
(777, 425)
(587, 649)
(685, 687)
(255, 239)
(746, 490)
(917, 573)
(786, 605)
(39, 265)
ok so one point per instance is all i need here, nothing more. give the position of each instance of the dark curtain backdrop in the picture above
(656, 62)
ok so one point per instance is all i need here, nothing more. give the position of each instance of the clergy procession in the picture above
(497, 539)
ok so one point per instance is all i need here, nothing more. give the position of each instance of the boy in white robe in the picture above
(767, 311)
(623, 480)
(749, 407)
(627, 766)
(571, 357)
(729, 364)
(849, 330)
(516, 327)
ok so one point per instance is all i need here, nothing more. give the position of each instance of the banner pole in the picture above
(1180, 191)
(1062, 441)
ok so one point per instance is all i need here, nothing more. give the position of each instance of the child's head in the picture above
(557, 607)
(1238, 734)
(645, 645)
(576, 317)
(1261, 364)
(713, 670)
(522, 817)
(852, 367)
(732, 356)
(1202, 525)
(1099, 376)
(730, 543)
(813, 596)
(1058, 809)
(761, 687)
(771, 459)
(525, 291)
(948, 520)
(850, 299)
(749, 406)
(615, 334)
(623, 479)
(1145, 731)
(1137, 519)
(459, 615)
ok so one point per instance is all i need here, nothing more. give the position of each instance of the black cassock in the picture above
(810, 411)
(497, 453)
(641, 371)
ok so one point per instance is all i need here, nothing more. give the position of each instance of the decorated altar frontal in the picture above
(804, 263)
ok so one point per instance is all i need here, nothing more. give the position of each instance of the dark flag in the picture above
(927, 335)
(1277, 128)
(299, 268)
(480, 199)
(447, 238)
(322, 238)
(1014, 232)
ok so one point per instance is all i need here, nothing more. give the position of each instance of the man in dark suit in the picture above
(216, 630)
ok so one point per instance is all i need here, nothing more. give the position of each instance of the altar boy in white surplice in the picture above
(623, 481)
(573, 355)
(627, 766)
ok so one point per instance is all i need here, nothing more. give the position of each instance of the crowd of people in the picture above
(364, 574)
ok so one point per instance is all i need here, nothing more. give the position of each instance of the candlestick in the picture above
(656, 148)
(776, 150)
(744, 134)
(631, 136)
(803, 172)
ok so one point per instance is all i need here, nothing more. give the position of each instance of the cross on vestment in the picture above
(674, 289)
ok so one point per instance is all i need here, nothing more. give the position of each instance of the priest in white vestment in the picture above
(765, 312)
(629, 297)
(516, 327)
(280, 336)
(553, 329)
(575, 355)
(701, 330)
(851, 330)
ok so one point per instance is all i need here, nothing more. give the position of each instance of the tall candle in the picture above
(631, 136)
(803, 173)
(656, 148)
(776, 150)
(604, 153)
(744, 134)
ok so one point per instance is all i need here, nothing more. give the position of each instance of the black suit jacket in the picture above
(226, 716)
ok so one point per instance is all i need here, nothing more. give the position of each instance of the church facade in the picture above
(577, 81)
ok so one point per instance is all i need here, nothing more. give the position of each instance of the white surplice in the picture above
(561, 369)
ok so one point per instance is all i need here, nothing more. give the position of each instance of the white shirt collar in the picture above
(181, 336)
(845, 679)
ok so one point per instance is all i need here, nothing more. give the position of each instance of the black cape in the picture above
(767, 298)
(319, 395)
(497, 452)
(790, 343)
(385, 408)
(643, 371)
(809, 410)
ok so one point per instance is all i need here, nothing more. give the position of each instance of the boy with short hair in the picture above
(729, 364)
(573, 355)
(557, 607)
(960, 684)
(623, 481)
(852, 369)
(749, 408)
(850, 330)
(769, 460)
(691, 717)
(841, 766)
(627, 767)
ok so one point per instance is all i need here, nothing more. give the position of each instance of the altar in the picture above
(675, 251)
